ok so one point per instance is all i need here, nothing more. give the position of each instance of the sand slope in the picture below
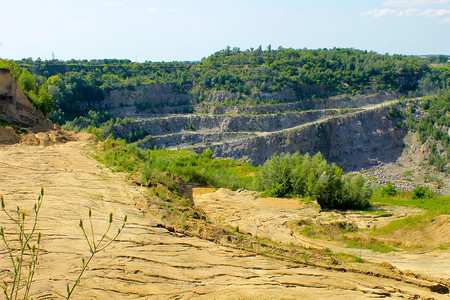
(148, 261)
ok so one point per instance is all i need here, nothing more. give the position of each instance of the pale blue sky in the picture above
(182, 30)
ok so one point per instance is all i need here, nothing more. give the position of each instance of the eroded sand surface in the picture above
(269, 218)
(148, 261)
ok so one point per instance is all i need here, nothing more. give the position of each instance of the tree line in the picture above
(250, 75)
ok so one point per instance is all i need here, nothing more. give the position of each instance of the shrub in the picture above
(292, 174)
(329, 187)
(389, 190)
(275, 176)
(421, 192)
(276, 190)
(96, 131)
(27, 82)
(207, 153)
(44, 101)
(356, 193)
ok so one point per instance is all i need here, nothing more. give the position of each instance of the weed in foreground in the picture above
(94, 246)
(24, 252)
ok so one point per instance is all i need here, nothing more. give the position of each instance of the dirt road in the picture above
(148, 261)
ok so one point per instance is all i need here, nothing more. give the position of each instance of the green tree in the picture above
(356, 193)
(293, 174)
(44, 101)
(27, 82)
(329, 187)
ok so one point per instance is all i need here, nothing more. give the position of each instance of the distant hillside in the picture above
(230, 77)
(246, 104)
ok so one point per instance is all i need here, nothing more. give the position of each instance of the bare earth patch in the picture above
(265, 218)
(149, 261)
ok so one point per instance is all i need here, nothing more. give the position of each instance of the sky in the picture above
(188, 30)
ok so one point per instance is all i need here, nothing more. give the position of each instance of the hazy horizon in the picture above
(176, 30)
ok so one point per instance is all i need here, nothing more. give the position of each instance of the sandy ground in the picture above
(269, 218)
(148, 261)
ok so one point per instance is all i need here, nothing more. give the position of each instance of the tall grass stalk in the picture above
(94, 246)
(24, 253)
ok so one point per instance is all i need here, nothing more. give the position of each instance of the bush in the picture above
(287, 174)
(421, 192)
(27, 82)
(277, 190)
(356, 193)
(333, 190)
(96, 131)
(389, 190)
(207, 153)
(275, 176)
(328, 190)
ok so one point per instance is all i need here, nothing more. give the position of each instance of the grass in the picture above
(443, 247)
(151, 168)
(152, 165)
(408, 173)
(365, 239)
(309, 231)
(432, 208)
(373, 212)
(155, 169)
(371, 244)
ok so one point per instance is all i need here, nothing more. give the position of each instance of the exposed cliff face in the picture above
(352, 142)
(157, 97)
(286, 94)
(162, 99)
(358, 140)
(14, 104)
(225, 123)
(326, 103)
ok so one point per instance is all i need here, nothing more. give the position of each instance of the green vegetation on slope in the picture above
(4, 123)
(433, 126)
(279, 177)
(432, 206)
(102, 124)
(149, 166)
(251, 76)
(38, 94)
